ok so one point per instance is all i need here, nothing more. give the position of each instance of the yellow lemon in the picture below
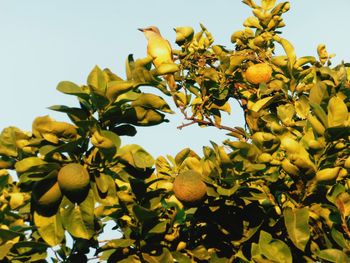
(258, 73)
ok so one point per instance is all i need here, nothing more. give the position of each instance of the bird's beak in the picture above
(141, 29)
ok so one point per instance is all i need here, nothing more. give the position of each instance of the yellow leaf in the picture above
(268, 4)
(337, 112)
(49, 228)
(252, 21)
(16, 200)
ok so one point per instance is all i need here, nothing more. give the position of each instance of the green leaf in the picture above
(227, 192)
(149, 100)
(106, 140)
(4, 179)
(6, 247)
(70, 147)
(129, 66)
(257, 106)
(159, 228)
(318, 92)
(192, 163)
(37, 246)
(141, 116)
(107, 193)
(286, 113)
(201, 253)
(320, 113)
(302, 107)
(235, 61)
(289, 49)
(28, 163)
(337, 112)
(39, 173)
(142, 76)
(99, 100)
(297, 224)
(6, 235)
(74, 113)
(165, 256)
(124, 130)
(183, 34)
(335, 133)
(130, 259)
(180, 257)
(250, 3)
(280, 8)
(183, 154)
(79, 219)
(50, 228)
(272, 249)
(71, 88)
(268, 4)
(333, 255)
(304, 60)
(116, 88)
(322, 53)
(97, 79)
(214, 258)
(136, 156)
(252, 22)
(110, 76)
(118, 243)
(290, 52)
(343, 204)
(338, 237)
(145, 62)
(102, 182)
(336, 190)
(8, 138)
(144, 214)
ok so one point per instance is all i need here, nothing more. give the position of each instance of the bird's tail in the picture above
(171, 82)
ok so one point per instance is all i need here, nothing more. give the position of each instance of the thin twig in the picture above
(207, 123)
(183, 125)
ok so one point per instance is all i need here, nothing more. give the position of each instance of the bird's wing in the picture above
(160, 50)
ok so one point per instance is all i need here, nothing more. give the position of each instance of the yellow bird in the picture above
(160, 50)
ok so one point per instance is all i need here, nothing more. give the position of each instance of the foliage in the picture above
(277, 189)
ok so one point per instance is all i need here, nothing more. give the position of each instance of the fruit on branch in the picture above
(52, 196)
(258, 73)
(189, 188)
(74, 181)
(46, 196)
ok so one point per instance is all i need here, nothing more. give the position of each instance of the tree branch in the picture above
(208, 123)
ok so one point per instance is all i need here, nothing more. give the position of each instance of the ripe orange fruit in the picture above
(74, 181)
(46, 196)
(188, 187)
(258, 73)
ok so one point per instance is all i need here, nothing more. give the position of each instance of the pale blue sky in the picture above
(44, 42)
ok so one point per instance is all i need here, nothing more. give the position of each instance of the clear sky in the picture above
(45, 42)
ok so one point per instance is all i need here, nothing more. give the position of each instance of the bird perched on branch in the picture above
(160, 50)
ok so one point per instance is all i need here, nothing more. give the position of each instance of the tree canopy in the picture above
(277, 190)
